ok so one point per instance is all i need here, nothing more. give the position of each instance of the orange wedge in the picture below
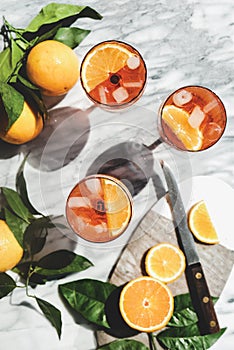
(177, 120)
(118, 205)
(166, 262)
(146, 304)
(201, 224)
(103, 59)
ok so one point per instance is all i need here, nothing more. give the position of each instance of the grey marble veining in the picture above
(183, 42)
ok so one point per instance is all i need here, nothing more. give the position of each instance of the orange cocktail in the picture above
(99, 208)
(192, 118)
(113, 74)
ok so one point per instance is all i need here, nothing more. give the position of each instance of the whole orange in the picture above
(53, 67)
(10, 250)
(24, 129)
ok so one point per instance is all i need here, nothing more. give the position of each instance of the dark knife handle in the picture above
(201, 299)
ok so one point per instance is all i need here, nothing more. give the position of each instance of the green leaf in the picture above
(6, 68)
(71, 37)
(184, 314)
(16, 225)
(21, 188)
(35, 236)
(15, 202)
(54, 12)
(13, 102)
(27, 83)
(8, 29)
(51, 313)
(183, 318)
(7, 284)
(124, 344)
(182, 301)
(88, 297)
(33, 94)
(17, 55)
(61, 262)
(54, 15)
(23, 269)
(11, 58)
(188, 338)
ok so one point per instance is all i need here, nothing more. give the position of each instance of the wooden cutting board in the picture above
(217, 262)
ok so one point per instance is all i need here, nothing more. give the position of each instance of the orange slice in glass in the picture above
(103, 59)
(146, 304)
(178, 121)
(99, 208)
(201, 224)
(165, 262)
(117, 204)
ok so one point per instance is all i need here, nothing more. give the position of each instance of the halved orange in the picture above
(103, 59)
(201, 225)
(178, 120)
(118, 205)
(146, 304)
(165, 262)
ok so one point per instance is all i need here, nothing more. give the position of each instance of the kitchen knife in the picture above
(199, 291)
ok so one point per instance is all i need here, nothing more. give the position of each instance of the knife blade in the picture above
(197, 284)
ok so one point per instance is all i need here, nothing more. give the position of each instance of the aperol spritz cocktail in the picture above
(99, 208)
(192, 118)
(113, 74)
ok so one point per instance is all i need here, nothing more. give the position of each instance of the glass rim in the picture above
(123, 188)
(117, 105)
(181, 88)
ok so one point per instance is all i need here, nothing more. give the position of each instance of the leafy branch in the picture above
(90, 298)
(31, 228)
(53, 22)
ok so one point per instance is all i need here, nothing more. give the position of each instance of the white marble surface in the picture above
(183, 42)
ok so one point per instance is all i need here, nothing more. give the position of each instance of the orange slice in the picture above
(178, 120)
(103, 59)
(118, 205)
(146, 304)
(165, 262)
(201, 224)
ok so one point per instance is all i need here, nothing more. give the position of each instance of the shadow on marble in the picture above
(52, 101)
(130, 162)
(8, 150)
(65, 134)
(26, 304)
(58, 238)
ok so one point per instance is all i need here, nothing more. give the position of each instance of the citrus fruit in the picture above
(10, 250)
(53, 67)
(103, 59)
(201, 224)
(24, 129)
(165, 261)
(146, 304)
(117, 205)
(178, 121)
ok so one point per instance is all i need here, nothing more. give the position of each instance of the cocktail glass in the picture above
(193, 118)
(113, 74)
(99, 208)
